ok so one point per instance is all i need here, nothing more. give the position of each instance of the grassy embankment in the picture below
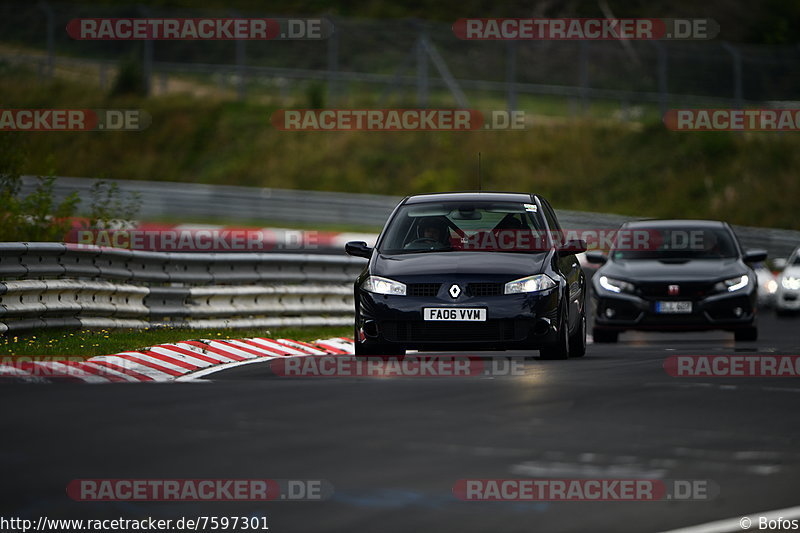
(588, 164)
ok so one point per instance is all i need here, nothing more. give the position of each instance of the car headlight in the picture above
(616, 285)
(380, 285)
(772, 286)
(733, 284)
(539, 282)
(791, 283)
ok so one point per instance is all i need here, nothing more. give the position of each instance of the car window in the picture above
(552, 222)
(465, 226)
(677, 242)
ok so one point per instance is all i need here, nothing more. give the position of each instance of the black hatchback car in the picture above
(471, 271)
(675, 275)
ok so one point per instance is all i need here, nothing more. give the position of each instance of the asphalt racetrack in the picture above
(394, 448)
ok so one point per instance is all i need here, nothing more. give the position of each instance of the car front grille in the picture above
(423, 289)
(686, 291)
(421, 331)
(484, 289)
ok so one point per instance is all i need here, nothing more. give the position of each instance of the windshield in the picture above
(677, 243)
(466, 226)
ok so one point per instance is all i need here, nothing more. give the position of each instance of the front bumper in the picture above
(726, 311)
(787, 300)
(518, 321)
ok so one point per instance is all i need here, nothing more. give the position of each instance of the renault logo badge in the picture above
(455, 290)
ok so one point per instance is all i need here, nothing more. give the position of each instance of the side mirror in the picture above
(358, 249)
(596, 258)
(755, 256)
(574, 246)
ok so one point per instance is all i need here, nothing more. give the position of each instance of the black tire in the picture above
(746, 334)
(577, 341)
(561, 349)
(604, 335)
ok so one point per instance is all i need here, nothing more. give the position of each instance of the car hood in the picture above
(671, 270)
(467, 263)
(792, 271)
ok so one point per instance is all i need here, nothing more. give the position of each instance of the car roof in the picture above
(469, 196)
(674, 223)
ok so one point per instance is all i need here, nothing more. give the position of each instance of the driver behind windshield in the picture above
(433, 229)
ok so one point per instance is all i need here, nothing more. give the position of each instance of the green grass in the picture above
(592, 163)
(73, 343)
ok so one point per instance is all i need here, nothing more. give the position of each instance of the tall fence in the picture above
(61, 285)
(412, 61)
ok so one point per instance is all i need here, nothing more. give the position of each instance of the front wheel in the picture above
(560, 349)
(577, 341)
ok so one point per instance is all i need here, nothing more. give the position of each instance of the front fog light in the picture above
(738, 311)
(610, 313)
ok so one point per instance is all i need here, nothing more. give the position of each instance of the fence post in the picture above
(422, 70)
(241, 51)
(736, 56)
(584, 76)
(511, 76)
(333, 64)
(51, 23)
(661, 51)
(147, 60)
(103, 76)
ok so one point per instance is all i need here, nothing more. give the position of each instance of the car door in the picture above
(568, 266)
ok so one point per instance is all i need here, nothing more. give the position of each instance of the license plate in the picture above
(673, 307)
(455, 314)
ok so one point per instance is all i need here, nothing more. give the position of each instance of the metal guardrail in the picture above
(226, 202)
(63, 285)
(229, 202)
